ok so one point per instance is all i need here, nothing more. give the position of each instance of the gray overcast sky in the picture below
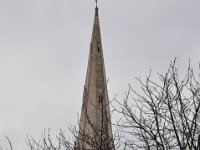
(44, 47)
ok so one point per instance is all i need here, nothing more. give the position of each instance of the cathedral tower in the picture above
(95, 131)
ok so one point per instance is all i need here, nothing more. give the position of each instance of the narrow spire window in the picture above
(100, 99)
(98, 49)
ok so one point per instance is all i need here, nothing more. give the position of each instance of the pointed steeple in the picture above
(95, 121)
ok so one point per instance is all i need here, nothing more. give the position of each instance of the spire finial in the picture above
(96, 9)
(96, 2)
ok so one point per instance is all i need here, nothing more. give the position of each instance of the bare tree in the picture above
(10, 147)
(47, 143)
(164, 115)
(80, 140)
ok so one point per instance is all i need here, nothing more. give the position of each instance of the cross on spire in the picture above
(96, 2)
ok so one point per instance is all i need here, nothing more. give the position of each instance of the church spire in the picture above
(95, 121)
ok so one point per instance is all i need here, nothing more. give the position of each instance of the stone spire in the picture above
(95, 130)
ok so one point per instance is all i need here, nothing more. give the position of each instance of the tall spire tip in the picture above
(96, 9)
(96, 3)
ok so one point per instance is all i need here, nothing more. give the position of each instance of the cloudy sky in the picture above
(44, 47)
